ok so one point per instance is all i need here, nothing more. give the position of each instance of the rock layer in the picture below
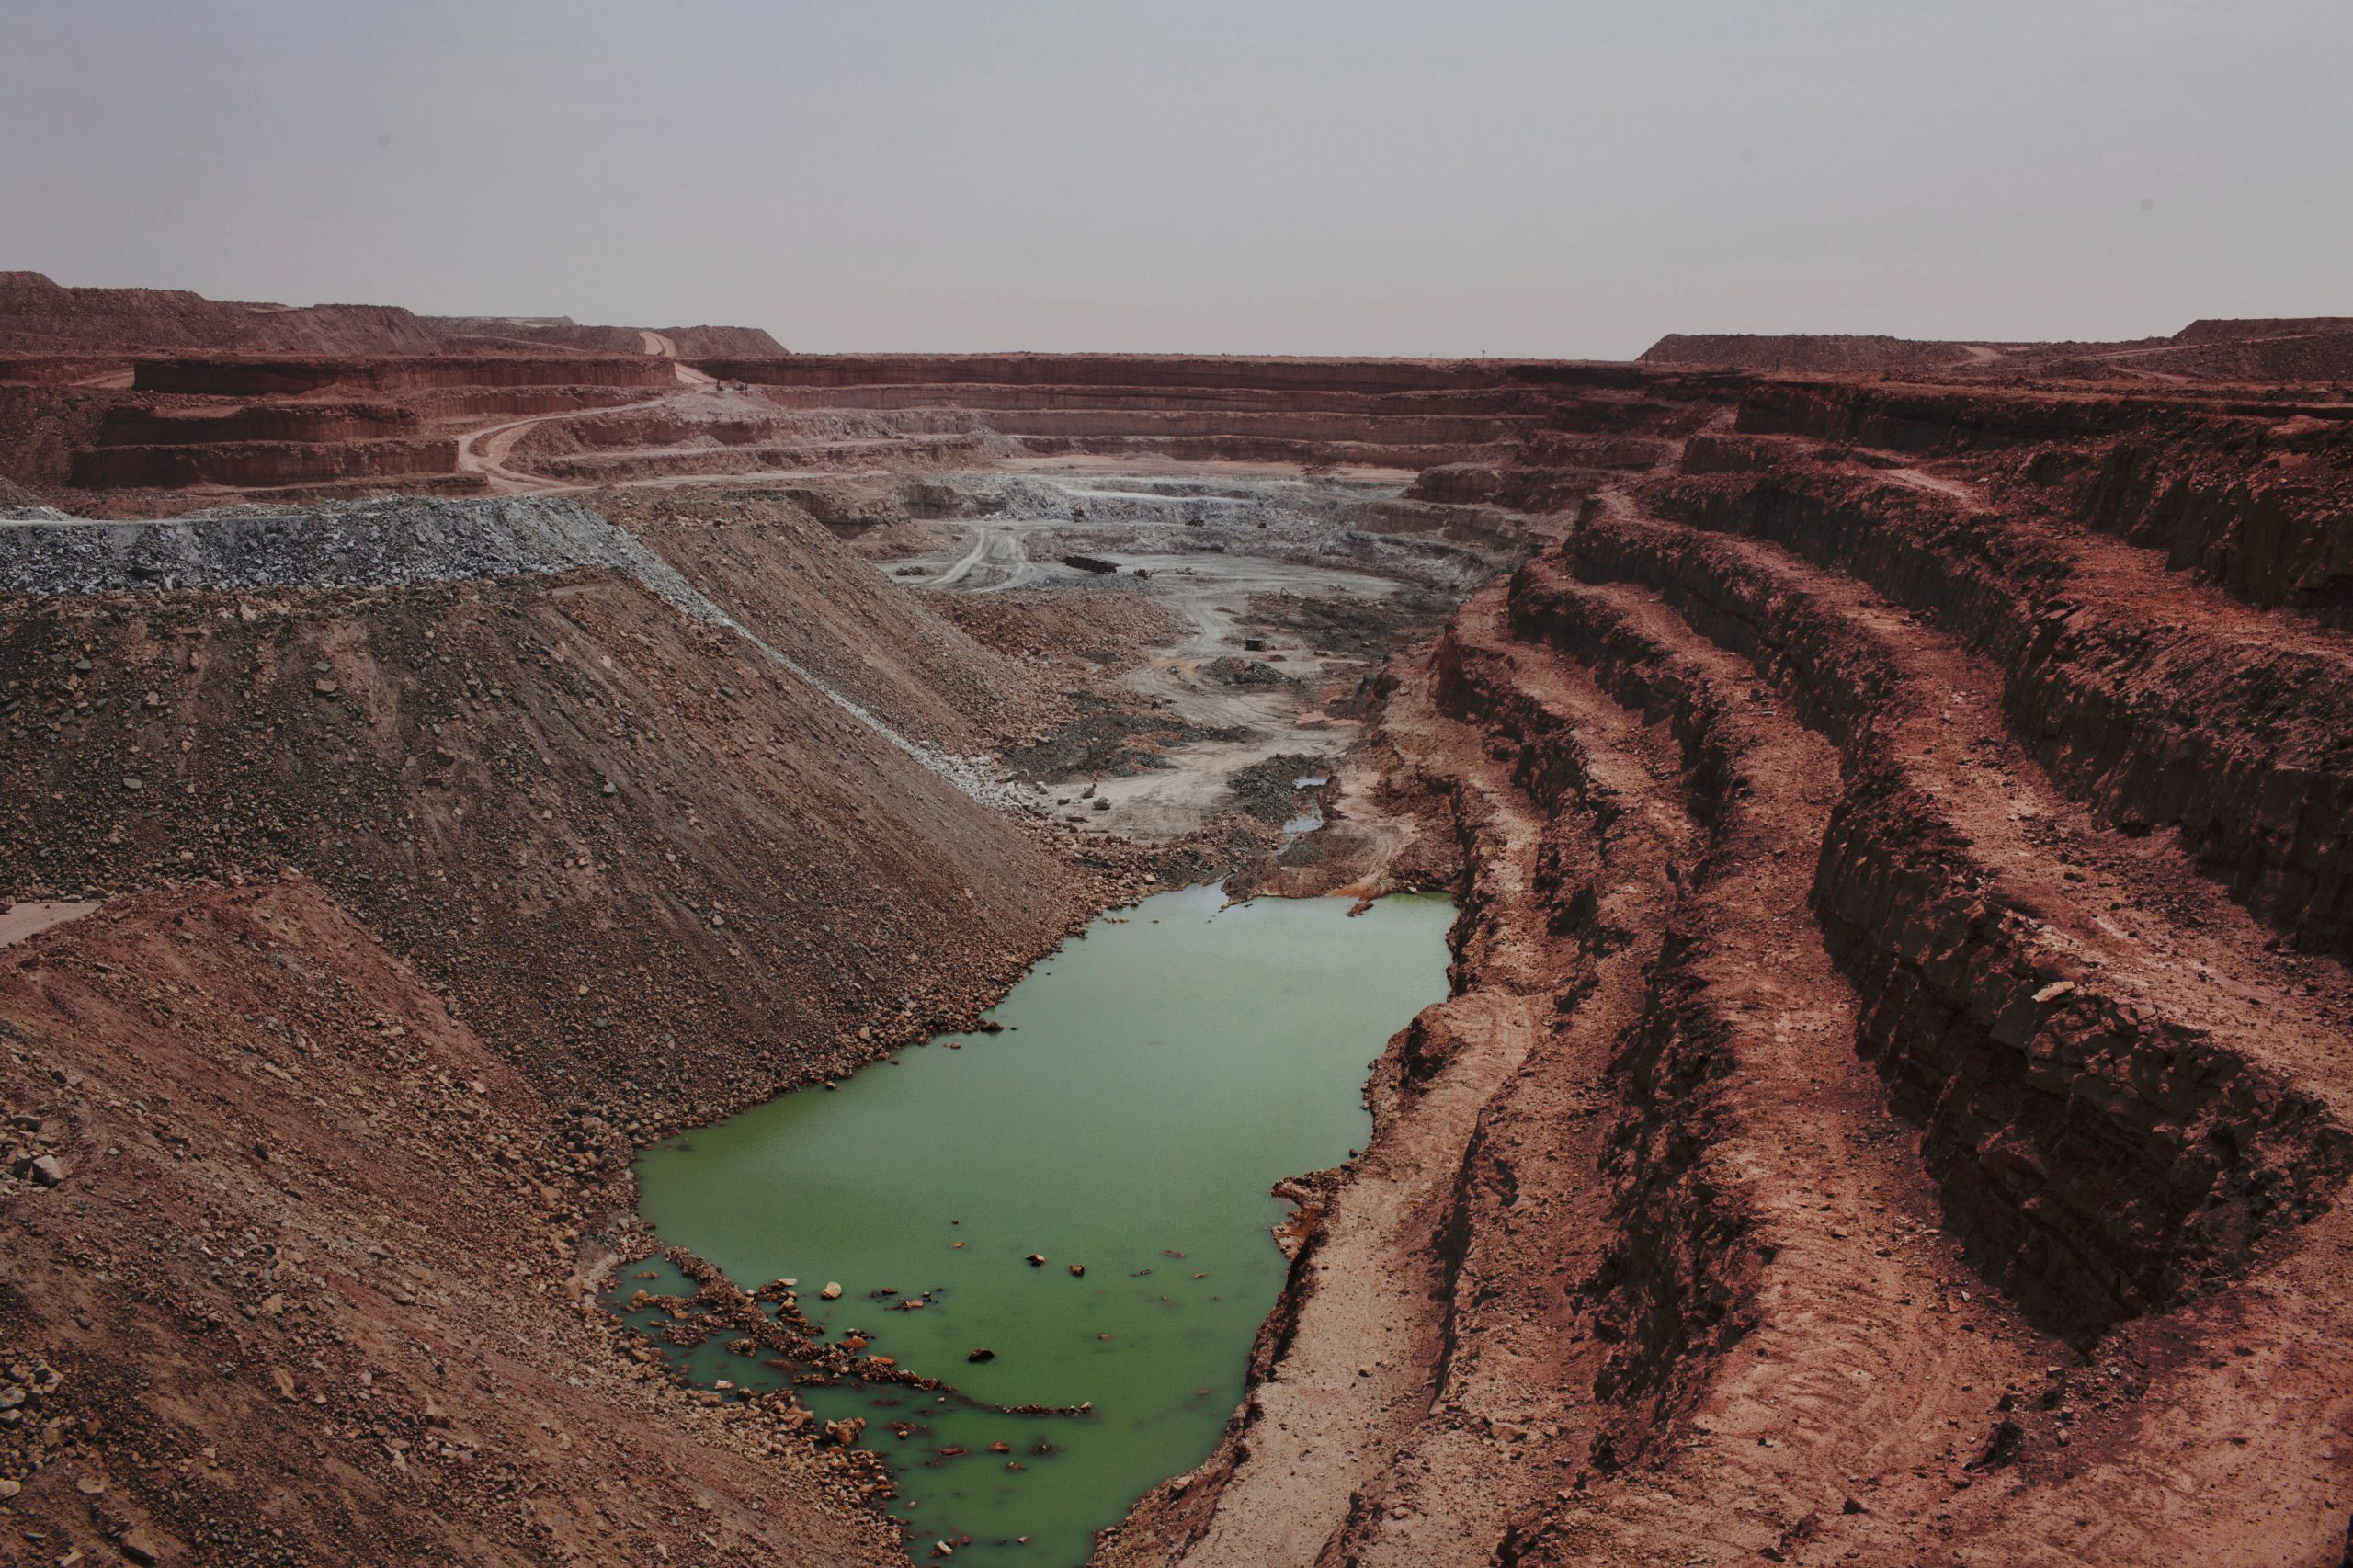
(1934, 1145)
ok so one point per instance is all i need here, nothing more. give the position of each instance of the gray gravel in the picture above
(389, 543)
(334, 544)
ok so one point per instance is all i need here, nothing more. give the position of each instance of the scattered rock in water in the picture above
(1079, 1271)
(981, 1355)
(833, 1290)
(1037, 1260)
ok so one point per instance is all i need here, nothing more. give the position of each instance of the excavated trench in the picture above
(1883, 1103)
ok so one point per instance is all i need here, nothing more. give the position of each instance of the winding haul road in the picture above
(485, 452)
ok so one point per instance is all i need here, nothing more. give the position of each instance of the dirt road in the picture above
(20, 921)
(485, 452)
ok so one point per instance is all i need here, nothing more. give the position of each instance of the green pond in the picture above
(1153, 1080)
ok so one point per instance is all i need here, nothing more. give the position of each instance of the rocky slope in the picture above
(305, 1285)
(385, 803)
(1893, 1109)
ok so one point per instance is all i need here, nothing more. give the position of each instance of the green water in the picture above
(1154, 1080)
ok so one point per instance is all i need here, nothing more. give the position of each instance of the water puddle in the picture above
(1153, 1080)
(1310, 820)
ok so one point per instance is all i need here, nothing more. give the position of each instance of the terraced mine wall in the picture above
(42, 427)
(1404, 415)
(1127, 370)
(1937, 421)
(132, 425)
(244, 378)
(2307, 349)
(2250, 494)
(2262, 510)
(55, 369)
(1903, 962)
(2099, 1160)
(717, 459)
(657, 425)
(261, 464)
(2233, 739)
(469, 403)
(1548, 427)
(1178, 398)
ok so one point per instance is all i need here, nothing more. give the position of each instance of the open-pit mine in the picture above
(622, 946)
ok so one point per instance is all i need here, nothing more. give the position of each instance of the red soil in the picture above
(1893, 1109)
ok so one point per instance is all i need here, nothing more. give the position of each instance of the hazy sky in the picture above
(1382, 176)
